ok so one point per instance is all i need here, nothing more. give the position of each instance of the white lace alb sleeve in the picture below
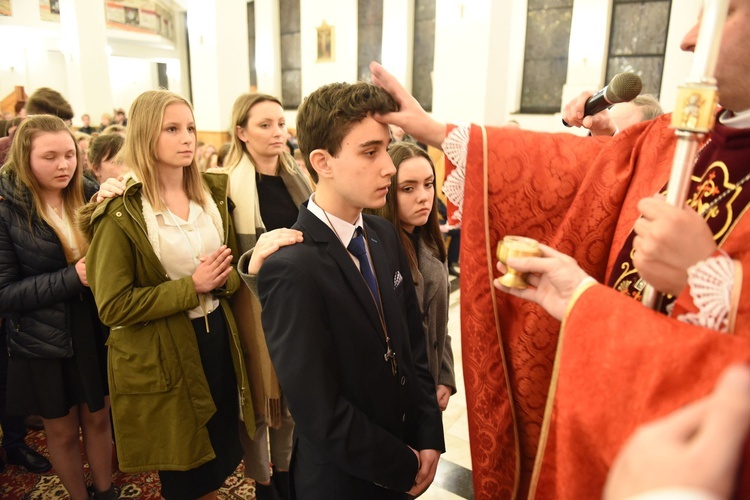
(711, 282)
(456, 147)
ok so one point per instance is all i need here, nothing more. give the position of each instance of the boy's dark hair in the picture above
(329, 113)
(103, 148)
(46, 101)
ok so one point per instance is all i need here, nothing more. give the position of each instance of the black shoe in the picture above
(453, 271)
(113, 493)
(28, 459)
(2, 466)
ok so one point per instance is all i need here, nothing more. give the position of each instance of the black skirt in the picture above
(223, 426)
(51, 387)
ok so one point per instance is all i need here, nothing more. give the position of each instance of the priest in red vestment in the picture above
(551, 403)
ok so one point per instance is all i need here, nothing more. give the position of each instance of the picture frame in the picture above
(325, 43)
(5, 8)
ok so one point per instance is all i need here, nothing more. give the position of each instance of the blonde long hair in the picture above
(240, 115)
(139, 151)
(19, 162)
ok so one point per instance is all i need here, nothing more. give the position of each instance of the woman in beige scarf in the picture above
(267, 187)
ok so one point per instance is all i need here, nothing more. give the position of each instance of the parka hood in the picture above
(88, 214)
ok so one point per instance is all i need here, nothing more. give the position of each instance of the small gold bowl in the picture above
(512, 247)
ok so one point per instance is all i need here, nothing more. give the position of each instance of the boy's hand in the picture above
(428, 461)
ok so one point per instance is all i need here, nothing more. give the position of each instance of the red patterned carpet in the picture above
(17, 484)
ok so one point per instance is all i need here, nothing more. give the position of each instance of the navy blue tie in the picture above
(358, 248)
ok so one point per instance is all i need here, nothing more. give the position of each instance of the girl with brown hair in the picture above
(57, 366)
(411, 205)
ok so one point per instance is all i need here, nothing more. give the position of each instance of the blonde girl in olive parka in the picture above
(160, 269)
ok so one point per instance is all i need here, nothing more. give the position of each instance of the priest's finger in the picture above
(382, 78)
(533, 279)
(524, 293)
(539, 265)
(643, 226)
(652, 207)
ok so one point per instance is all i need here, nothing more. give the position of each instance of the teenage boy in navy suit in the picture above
(341, 317)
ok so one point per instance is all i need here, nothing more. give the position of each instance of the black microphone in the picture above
(624, 87)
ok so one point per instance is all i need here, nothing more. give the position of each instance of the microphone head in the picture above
(624, 87)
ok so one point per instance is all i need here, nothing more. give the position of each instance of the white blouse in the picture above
(62, 227)
(182, 242)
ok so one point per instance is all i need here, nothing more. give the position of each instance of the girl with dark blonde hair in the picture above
(267, 188)
(161, 271)
(57, 366)
(411, 205)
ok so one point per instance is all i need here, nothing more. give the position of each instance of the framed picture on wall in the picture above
(49, 10)
(325, 42)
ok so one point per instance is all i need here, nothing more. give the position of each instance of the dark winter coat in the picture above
(36, 280)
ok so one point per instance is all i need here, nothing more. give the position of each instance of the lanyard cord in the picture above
(202, 298)
(389, 355)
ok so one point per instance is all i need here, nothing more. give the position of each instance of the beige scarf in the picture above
(243, 191)
(244, 195)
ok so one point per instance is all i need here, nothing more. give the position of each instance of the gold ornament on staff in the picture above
(695, 112)
(512, 247)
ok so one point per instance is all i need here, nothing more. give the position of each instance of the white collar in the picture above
(343, 229)
(740, 119)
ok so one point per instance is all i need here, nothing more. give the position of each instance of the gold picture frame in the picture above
(325, 43)
(5, 8)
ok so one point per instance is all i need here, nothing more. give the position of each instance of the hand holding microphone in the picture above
(624, 87)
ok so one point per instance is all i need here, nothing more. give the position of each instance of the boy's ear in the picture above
(319, 161)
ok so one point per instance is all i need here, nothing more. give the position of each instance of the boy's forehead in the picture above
(366, 132)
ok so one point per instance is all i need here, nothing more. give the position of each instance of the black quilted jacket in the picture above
(36, 281)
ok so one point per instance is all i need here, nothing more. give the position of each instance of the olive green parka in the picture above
(159, 393)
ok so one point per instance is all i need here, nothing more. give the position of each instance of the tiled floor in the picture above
(453, 478)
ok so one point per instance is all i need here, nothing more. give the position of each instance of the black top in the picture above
(277, 209)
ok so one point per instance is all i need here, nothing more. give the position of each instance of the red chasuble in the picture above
(553, 433)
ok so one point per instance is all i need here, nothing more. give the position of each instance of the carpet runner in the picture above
(17, 484)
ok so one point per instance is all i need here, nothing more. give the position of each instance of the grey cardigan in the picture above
(433, 293)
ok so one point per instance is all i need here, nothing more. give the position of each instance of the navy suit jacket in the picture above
(353, 417)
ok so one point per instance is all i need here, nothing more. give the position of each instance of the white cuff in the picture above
(456, 148)
(711, 282)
